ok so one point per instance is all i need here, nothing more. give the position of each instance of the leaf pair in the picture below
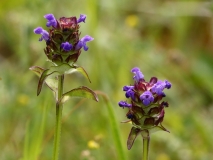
(49, 76)
(144, 132)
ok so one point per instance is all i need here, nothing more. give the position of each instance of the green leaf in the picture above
(43, 77)
(67, 69)
(158, 128)
(50, 75)
(132, 136)
(83, 72)
(51, 82)
(80, 92)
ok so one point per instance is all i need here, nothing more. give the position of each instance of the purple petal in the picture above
(135, 69)
(87, 38)
(82, 18)
(82, 42)
(66, 46)
(44, 33)
(130, 93)
(51, 21)
(158, 87)
(168, 84)
(49, 17)
(138, 74)
(126, 88)
(146, 102)
(38, 30)
(147, 98)
(124, 104)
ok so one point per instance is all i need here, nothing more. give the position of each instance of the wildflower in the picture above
(146, 110)
(82, 18)
(124, 104)
(147, 98)
(63, 42)
(126, 88)
(62, 39)
(66, 46)
(167, 84)
(51, 21)
(44, 33)
(130, 93)
(138, 74)
(160, 86)
(83, 41)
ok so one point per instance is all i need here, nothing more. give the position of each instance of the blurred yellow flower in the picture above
(162, 156)
(132, 20)
(93, 144)
(23, 99)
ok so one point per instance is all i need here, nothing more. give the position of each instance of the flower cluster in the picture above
(146, 108)
(63, 44)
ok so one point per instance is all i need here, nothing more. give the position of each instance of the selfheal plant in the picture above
(145, 107)
(63, 47)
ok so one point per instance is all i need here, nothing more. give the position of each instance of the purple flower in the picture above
(130, 93)
(124, 104)
(159, 87)
(66, 46)
(82, 43)
(168, 84)
(138, 74)
(126, 88)
(51, 21)
(147, 98)
(44, 33)
(82, 18)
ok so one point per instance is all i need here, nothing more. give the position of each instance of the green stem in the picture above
(146, 141)
(59, 108)
(115, 130)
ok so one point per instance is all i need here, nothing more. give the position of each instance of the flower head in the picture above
(44, 33)
(146, 111)
(82, 42)
(68, 23)
(51, 21)
(63, 43)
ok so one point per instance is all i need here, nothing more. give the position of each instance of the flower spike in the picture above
(63, 42)
(145, 110)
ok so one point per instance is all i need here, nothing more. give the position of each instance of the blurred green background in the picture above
(172, 40)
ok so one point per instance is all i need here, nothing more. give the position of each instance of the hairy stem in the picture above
(146, 141)
(59, 108)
